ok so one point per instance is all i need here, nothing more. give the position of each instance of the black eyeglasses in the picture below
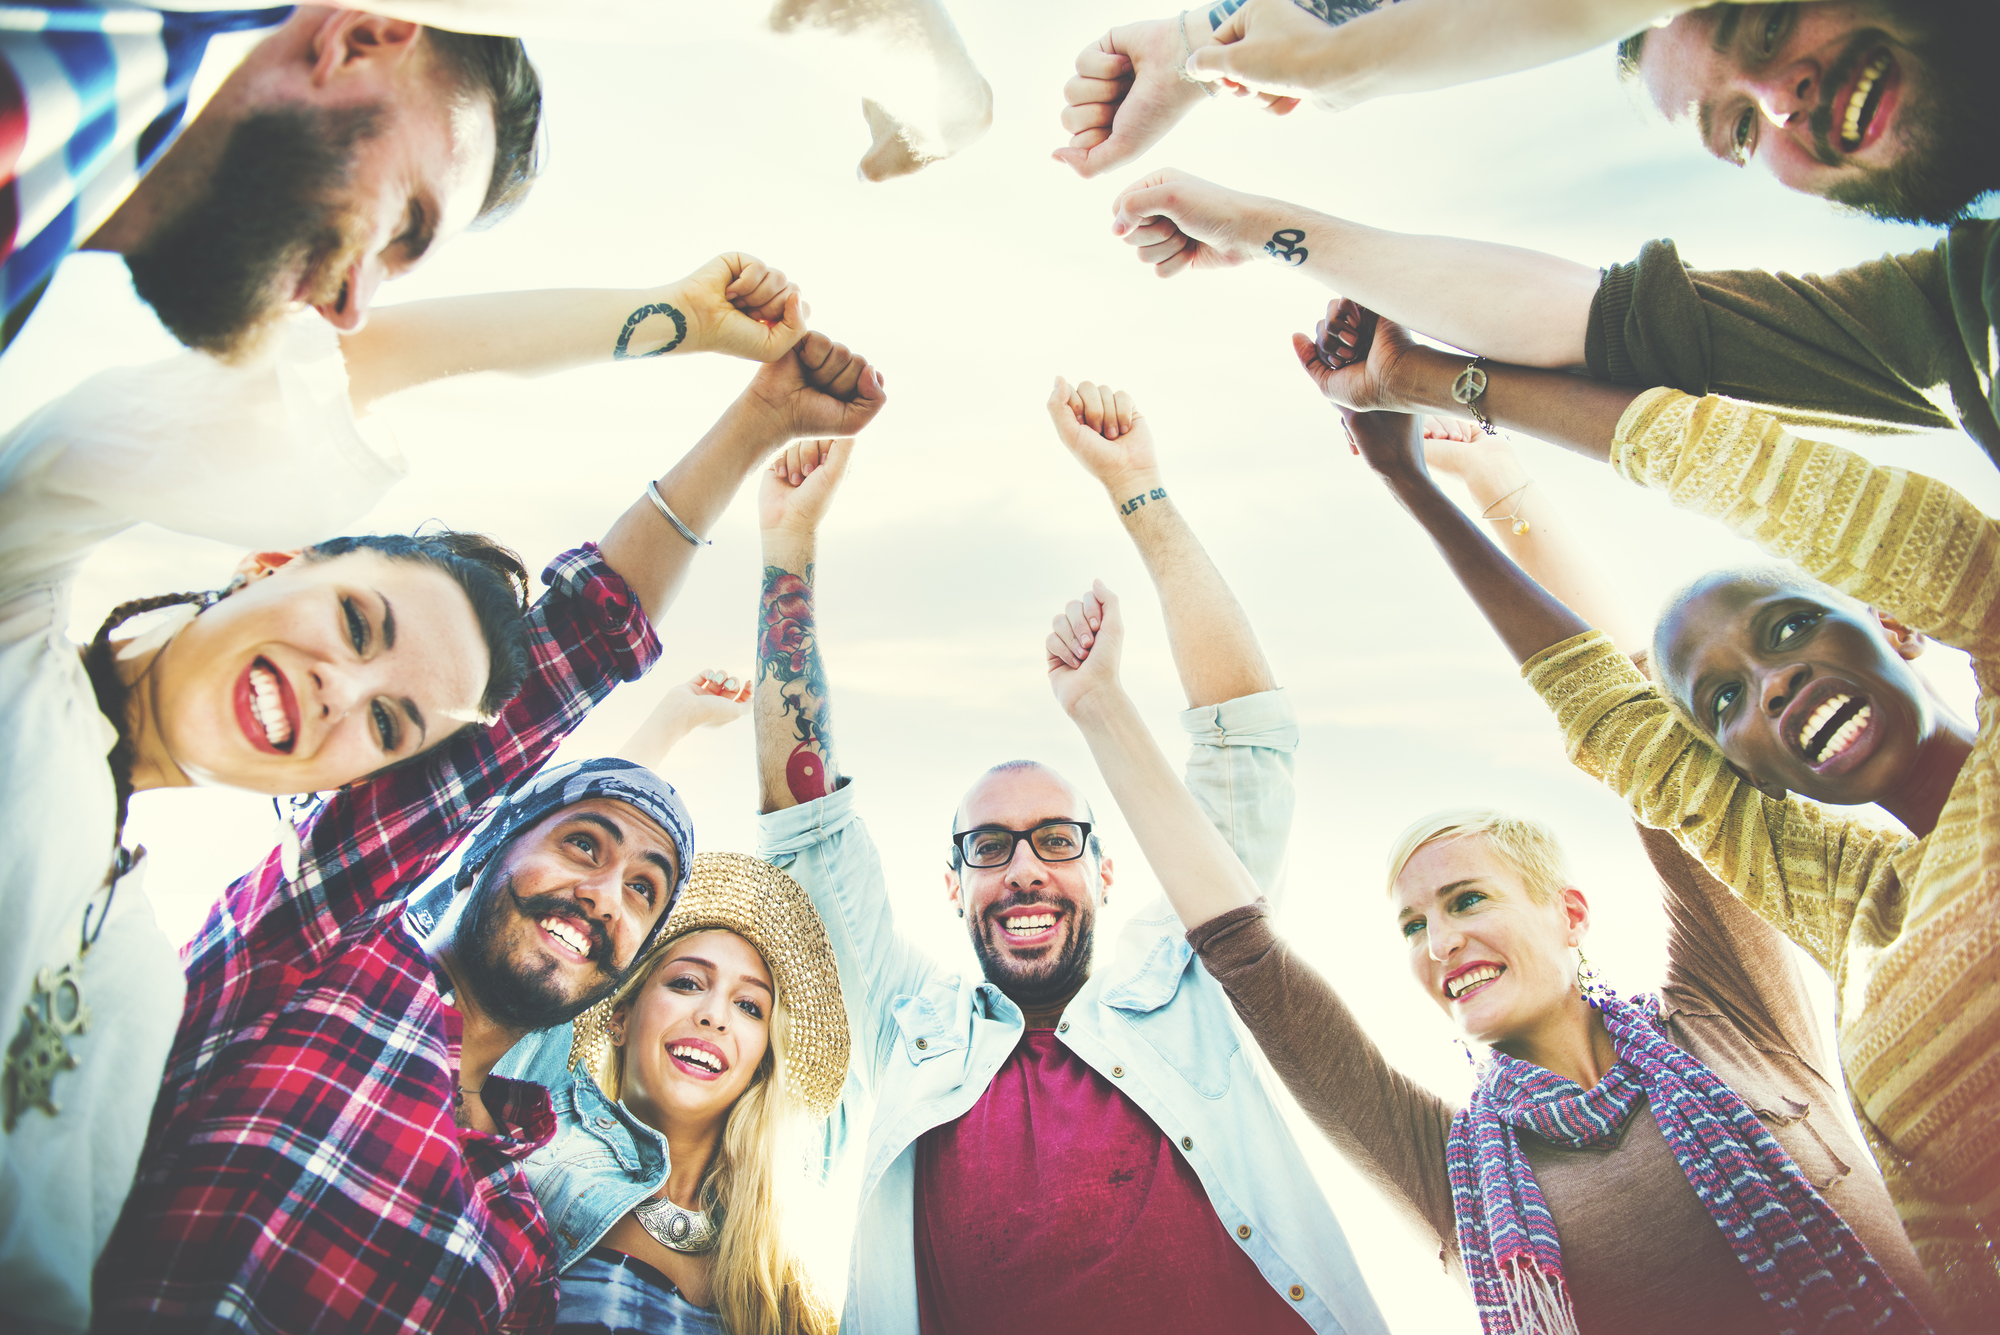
(993, 845)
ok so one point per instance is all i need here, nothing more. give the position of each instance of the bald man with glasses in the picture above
(1054, 1146)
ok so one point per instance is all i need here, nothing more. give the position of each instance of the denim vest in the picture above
(928, 1040)
(601, 1161)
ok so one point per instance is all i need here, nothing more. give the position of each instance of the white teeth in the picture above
(566, 934)
(1850, 129)
(1465, 982)
(269, 706)
(1821, 715)
(1030, 925)
(699, 1056)
(1848, 732)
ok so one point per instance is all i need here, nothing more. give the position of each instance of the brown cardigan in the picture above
(1640, 1252)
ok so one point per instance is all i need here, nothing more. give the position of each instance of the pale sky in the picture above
(963, 525)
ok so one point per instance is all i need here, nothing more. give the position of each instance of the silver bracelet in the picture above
(1187, 54)
(660, 504)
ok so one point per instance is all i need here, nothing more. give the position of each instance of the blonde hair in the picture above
(1525, 844)
(760, 1287)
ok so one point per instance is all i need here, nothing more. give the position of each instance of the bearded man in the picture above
(1055, 1146)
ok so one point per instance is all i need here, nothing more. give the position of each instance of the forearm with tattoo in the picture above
(621, 351)
(792, 707)
(1285, 246)
(1133, 504)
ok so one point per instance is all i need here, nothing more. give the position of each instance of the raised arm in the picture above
(819, 388)
(1296, 48)
(1530, 527)
(735, 304)
(709, 699)
(1196, 867)
(795, 757)
(1530, 308)
(1214, 648)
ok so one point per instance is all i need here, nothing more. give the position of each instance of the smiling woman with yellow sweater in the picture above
(1774, 683)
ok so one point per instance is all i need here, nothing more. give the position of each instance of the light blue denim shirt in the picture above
(928, 1040)
(602, 1160)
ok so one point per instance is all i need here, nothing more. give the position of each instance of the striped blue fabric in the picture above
(90, 96)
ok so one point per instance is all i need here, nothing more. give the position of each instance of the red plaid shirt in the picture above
(303, 1171)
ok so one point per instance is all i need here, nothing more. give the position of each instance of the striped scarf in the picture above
(1814, 1274)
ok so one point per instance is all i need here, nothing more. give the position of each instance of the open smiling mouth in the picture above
(1831, 728)
(265, 709)
(1459, 986)
(1030, 928)
(570, 934)
(1862, 104)
(705, 1061)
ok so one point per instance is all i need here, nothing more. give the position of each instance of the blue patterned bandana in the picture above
(549, 792)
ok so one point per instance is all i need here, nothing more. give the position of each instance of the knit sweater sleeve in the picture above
(1870, 345)
(1803, 870)
(1901, 542)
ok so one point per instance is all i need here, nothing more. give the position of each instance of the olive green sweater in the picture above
(1906, 340)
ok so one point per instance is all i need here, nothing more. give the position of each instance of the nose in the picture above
(1025, 869)
(1443, 942)
(1787, 93)
(349, 311)
(714, 1012)
(1781, 686)
(336, 690)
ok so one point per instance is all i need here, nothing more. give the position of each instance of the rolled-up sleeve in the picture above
(1240, 772)
(826, 848)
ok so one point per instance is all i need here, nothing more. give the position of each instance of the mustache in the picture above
(536, 907)
(1027, 898)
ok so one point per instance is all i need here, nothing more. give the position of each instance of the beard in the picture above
(524, 996)
(1039, 982)
(223, 270)
(1949, 156)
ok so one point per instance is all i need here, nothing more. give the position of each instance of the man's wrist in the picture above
(1131, 493)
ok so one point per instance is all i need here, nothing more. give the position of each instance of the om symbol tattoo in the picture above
(1284, 246)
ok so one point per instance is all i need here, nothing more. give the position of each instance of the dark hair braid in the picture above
(113, 695)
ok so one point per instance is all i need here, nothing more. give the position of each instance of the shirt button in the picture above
(1117, 1071)
(1298, 1292)
(1243, 1231)
(922, 1044)
(605, 1124)
(1063, 1028)
(1187, 1142)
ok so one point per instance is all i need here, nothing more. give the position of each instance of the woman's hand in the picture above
(1083, 648)
(1329, 357)
(1392, 443)
(735, 305)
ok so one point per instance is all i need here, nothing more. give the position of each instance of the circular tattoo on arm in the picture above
(633, 321)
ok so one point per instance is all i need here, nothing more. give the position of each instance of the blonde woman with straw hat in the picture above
(674, 1101)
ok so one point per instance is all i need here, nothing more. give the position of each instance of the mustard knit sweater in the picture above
(1909, 928)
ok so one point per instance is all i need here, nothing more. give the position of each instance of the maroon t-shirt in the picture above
(1055, 1205)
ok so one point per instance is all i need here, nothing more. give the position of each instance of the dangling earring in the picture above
(1471, 1059)
(961, 910)
(1590, 983)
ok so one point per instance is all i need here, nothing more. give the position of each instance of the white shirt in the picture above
(268, 456)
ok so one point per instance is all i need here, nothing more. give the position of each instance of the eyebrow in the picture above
(421, 231)
(617, 834)
(1725, 28)
(696, 959)
(1443, 892)
(1719, 41)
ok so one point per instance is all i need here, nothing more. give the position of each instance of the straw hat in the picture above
(767, 908)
